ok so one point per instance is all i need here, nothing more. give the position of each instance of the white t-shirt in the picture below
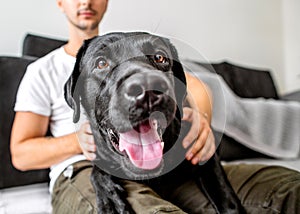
(42, 92)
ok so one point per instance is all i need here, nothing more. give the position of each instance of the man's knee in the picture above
(284, 196)
(266, 189)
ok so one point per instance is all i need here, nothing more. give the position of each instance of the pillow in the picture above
(12, 70)
(247, 83)
(38, 46)
(244, 81)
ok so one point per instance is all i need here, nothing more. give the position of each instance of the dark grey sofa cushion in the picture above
(247, 83)
(244, 81)
(38, 46)
(12, 70)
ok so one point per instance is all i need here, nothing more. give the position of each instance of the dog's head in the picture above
(131, 86)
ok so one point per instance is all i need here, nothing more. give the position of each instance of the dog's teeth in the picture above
(162, 144)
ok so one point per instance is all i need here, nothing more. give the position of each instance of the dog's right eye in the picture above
(102, 63)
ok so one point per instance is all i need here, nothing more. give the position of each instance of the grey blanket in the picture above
(268, 126)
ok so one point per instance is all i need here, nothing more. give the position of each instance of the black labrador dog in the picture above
(132, 88)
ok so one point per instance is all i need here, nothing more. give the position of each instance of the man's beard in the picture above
(83, 26)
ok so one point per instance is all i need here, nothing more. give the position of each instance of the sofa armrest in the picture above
(293, 96)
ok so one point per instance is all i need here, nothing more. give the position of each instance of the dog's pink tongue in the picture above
(144, 148)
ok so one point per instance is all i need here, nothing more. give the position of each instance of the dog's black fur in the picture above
(121, 80)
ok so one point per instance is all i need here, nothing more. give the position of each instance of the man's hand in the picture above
(86, 141)
(200, 134)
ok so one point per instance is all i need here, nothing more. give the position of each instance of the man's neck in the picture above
(76, 40)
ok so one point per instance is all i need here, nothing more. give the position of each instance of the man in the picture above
(40, 104)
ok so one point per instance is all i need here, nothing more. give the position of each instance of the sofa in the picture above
(27, 192)
(20, 192)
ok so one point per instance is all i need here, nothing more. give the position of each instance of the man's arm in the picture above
(30, 149)
(199, 115)
(199, 96)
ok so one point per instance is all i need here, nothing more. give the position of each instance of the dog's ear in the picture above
(73, 86)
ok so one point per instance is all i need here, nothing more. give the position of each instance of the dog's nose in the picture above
(146, 88)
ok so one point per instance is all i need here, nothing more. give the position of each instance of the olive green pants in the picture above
(262, 189)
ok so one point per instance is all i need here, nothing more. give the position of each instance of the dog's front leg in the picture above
(111, 197)
(212, 179)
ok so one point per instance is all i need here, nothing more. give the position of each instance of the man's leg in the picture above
(76, 195)
(145, 201)
(266, 189)
(262, 189)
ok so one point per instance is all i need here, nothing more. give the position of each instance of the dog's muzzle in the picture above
(148, 93)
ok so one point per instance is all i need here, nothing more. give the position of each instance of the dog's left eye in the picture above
(102, 63)
(159, 58)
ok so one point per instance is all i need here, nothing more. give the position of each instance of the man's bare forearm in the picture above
(42, 152)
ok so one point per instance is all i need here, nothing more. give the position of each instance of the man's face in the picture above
(83, 14)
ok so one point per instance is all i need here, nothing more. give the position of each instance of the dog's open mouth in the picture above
(143, 144)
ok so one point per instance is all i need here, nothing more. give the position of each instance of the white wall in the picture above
(19, 17)
(249, 32)
(291, 12)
